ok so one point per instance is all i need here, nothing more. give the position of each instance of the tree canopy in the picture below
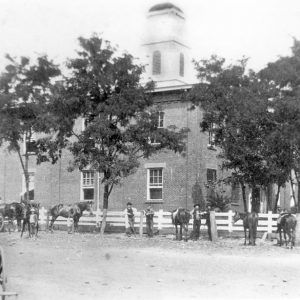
(25, 95)
(247, 123)
(119, 114)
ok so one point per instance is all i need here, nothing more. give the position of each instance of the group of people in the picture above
(130, 213)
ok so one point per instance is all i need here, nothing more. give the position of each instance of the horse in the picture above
(250, 221)
(287, 223)
(181, 217)
(30, 218)
(13, 211)
(70, 211)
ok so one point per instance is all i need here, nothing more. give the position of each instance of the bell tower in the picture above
(165, 47)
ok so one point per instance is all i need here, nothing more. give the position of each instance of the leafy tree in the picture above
(25, 93)
(120, 115)
(238, 104)
(285, 75)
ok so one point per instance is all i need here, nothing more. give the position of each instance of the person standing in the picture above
(130, 212)
(149, 213)
(197, 222)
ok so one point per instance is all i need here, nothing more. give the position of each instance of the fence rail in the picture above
(162, 220)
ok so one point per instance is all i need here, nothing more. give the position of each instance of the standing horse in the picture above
(181, 217)
(70, 211)
(250, 221)
(13, 211)
(288, 224)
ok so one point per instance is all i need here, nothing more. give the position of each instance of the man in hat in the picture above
(197, 222)
(149, 213)
(130, 212)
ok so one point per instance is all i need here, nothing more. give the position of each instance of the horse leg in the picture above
(52, 223)
(180, 232)
(245, 232)
(23, 228)
(186, 232)
(280, 237)
(176, 229)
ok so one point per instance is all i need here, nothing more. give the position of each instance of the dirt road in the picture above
(81, 266)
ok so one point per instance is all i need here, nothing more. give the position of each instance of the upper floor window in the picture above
(212, 136)
(211, 176)
(156, 63)
(160, 124)
(30, 143)
(181, 64)
(160, 120)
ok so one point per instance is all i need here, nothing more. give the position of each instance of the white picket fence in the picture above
(162, 221)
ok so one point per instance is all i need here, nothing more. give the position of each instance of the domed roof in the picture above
(163, 6)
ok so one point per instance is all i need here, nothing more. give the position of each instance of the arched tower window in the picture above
(181, 65)
(156, 63)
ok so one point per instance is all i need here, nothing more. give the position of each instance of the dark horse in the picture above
(13, 211)
(250, 222)
(70, 211)
(287, 223)
(181, 217)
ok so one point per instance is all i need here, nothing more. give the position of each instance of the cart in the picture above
(3, 279)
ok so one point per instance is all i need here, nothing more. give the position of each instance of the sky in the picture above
(262, 30)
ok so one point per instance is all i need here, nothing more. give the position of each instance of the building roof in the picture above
(162, 6)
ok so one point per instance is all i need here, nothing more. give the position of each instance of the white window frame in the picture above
(32, 139)
(160, 124)
(212, 137)
(87, 185)
(158, 185)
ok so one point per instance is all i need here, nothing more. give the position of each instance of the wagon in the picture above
(3, 279)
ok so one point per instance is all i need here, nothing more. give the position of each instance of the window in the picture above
(160, 121)
(211, 176)
(212, 136)
(181, 64)
(155, 184)
(87, 185)
(156, 63)
(235, 193)
(160, 124)
(30, 144)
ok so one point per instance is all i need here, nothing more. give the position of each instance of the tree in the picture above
(120, 115)
(238, 104)
(25, 94)
(284, 73)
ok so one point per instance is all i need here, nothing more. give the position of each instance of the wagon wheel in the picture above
(1, 222)
(2, 271)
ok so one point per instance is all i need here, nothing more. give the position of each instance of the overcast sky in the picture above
(259, 29)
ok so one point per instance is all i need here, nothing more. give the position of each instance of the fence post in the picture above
(213, 226)
(230, 227)
(42, 217)
(141, 223)
(98, 218)
(269, 221)
(160, 219)
(47, 220)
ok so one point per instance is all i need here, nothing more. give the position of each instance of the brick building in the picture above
(166, 180)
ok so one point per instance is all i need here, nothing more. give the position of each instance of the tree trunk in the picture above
(26, 196)
(105, 207)
(244, 197)
(269, 197)
(276, 200)
(298, 193)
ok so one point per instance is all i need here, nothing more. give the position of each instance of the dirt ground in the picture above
(81, 266)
